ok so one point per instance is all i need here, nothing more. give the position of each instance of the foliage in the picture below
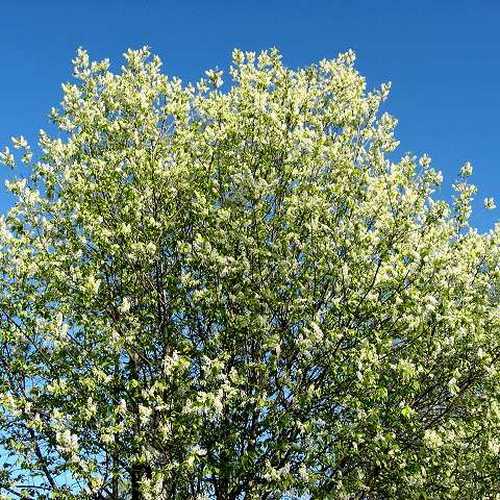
(231, 291)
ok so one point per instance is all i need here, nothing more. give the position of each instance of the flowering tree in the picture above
(235, 294)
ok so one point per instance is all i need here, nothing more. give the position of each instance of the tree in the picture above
(233, 293)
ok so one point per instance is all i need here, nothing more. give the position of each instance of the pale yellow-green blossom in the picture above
(233, 289)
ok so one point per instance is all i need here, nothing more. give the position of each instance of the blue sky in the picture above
(443, 58)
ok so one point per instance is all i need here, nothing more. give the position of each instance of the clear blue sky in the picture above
(443, 58)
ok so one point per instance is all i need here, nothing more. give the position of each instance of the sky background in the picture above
(443, 58)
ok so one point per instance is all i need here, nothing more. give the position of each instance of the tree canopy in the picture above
(234, 291)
